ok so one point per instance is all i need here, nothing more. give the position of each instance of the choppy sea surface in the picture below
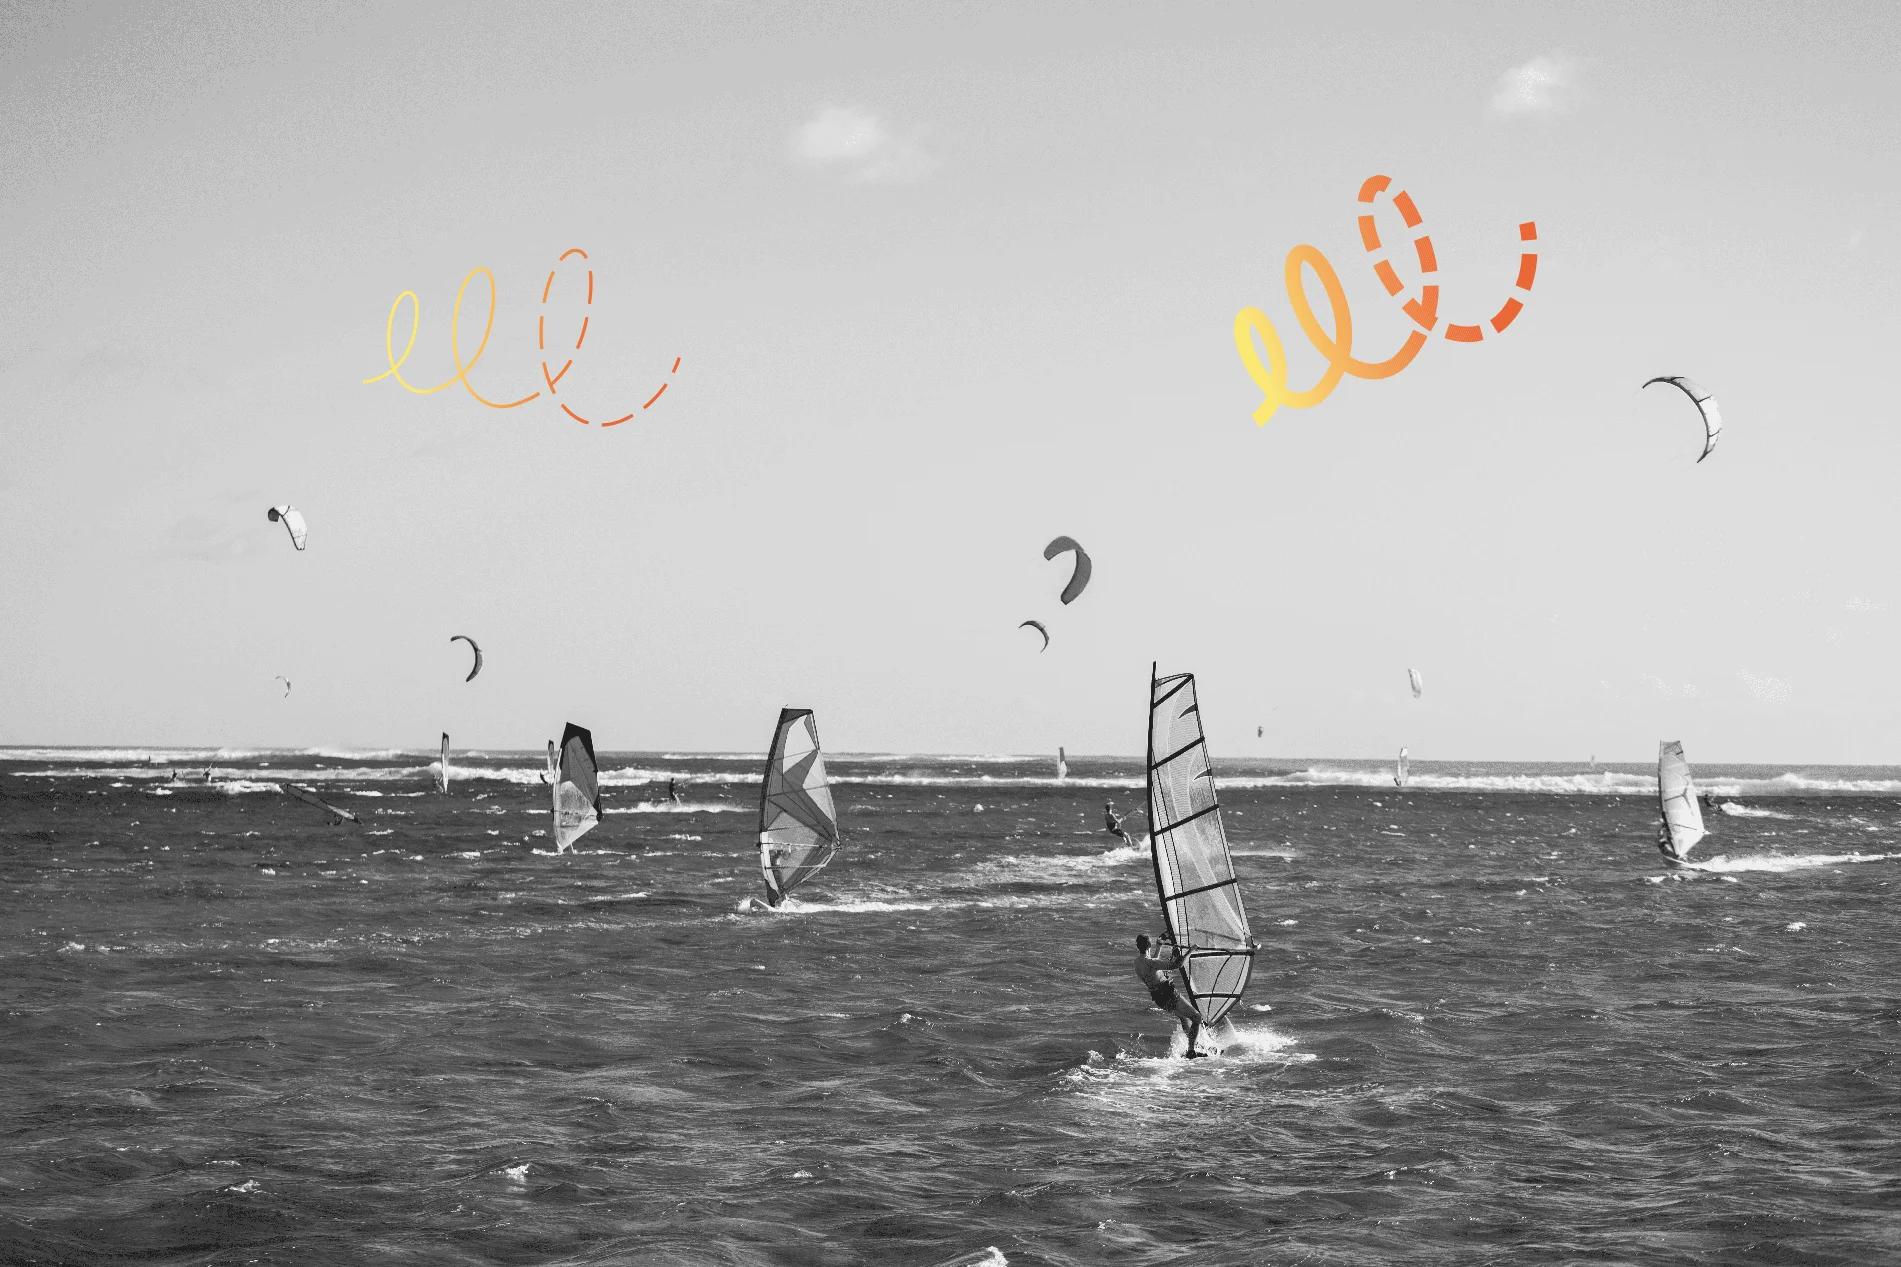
(1487, 1026)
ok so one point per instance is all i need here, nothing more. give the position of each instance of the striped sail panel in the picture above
(798, 824)
(1194, 874)
(1676, 796)
(577, 791)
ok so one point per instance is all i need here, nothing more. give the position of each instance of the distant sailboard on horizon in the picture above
(1401, 770)
(442, 771)
(1062, 765)
(576, 787)
(798, 823)
(1680, 824)
(1194, 873)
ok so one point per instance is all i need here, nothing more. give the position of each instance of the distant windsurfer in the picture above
(1112, 823)
(1150, 966)
(675, 793)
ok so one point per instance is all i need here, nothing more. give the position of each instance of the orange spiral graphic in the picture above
(550, 377)
(1271, 375)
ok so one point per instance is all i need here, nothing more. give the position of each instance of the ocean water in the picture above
(1486, 1026)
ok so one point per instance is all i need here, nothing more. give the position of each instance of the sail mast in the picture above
(1194, 873)
(798, 823)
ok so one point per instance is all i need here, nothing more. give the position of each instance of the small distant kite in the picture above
(478, 655)
(1418, 683)
(1260, 732)
(1080, 577)
(1705, 405)
(293, 522)
(1038, 626)
(286, 681)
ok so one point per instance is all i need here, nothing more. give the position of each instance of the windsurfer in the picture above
(1149, 967)
(1112, 823)
(675, 793)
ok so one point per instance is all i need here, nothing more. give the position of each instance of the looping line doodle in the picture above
(461, 375)
(1337, 348)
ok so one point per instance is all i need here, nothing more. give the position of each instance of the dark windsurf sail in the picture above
(310, 798)
(798, 825)
(1194, 875)
(577, 788)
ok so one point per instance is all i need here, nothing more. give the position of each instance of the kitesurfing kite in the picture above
(286, 681)
(1705, 405)
(1418, 683)
(478, 654)
(1080, 577)
(1194, 874)
(1038, 626)
(1680, 824)
(577, 788)
(798, 824)
(293, 523)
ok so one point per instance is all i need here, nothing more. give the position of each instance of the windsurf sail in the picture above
(798, 825)
(310, 798)
(1682, 819)
(1400, 770)
(442, 775)
(577, 787)
(1194, 875)
(554, 765)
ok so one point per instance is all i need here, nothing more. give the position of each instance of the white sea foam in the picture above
(1790, 862)
(1750, 811)
(683, 807)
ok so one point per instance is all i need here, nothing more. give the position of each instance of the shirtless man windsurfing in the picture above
(1150, 967)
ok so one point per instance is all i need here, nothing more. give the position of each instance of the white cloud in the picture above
(859, 141)
(1543, 85)
(1689, 690)
(836, 135)
(1772, 689)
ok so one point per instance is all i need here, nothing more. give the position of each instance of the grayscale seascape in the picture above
(1487, 1025)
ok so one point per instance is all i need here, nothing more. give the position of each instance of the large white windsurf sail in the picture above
(442, 775)
(1194, 875)
(1062, 764)
(1682, 825)
(798, 824)
(577, 787)
(1401, 770)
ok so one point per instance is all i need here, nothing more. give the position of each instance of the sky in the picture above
(945, 282)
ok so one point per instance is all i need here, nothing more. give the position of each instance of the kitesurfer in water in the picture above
(1112, 823)
(675, 793)
(1149, 967)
